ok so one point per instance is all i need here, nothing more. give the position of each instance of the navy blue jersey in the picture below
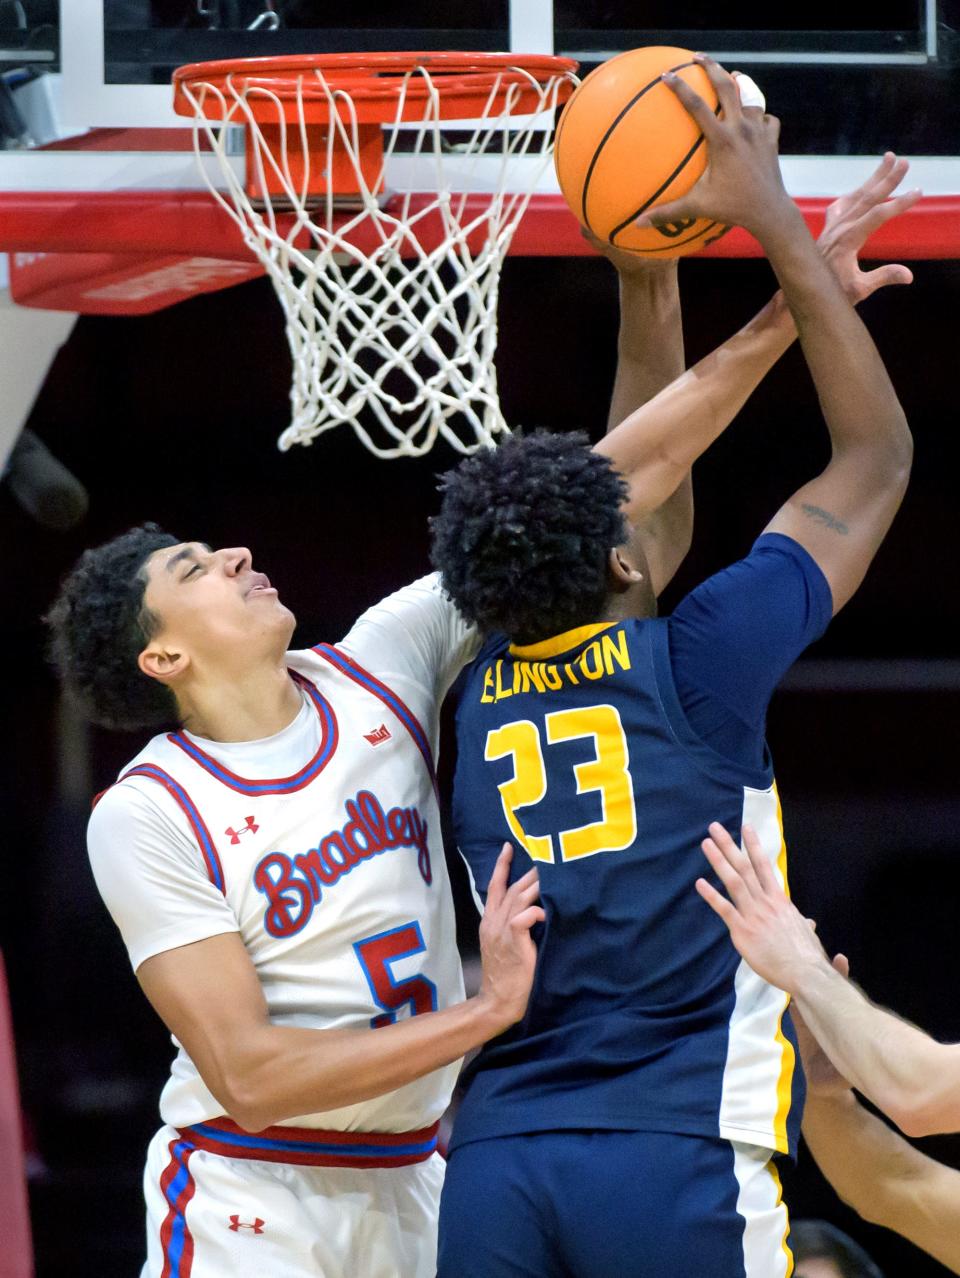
(580, 750)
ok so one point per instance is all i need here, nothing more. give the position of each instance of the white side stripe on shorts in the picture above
(766, 1223)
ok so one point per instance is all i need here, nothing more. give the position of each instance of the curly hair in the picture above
(524, 533)
(99, 625)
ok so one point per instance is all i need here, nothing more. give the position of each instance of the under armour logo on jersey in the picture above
(378, 735)
(236, 1224)
(250, 828)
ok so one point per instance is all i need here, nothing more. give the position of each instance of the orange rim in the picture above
(374, 81)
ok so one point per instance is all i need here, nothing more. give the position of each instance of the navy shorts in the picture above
(611, 1204)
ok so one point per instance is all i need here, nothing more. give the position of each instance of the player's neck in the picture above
(640, 602)
(259, 704)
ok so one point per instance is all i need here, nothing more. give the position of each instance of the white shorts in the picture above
(209, 1216)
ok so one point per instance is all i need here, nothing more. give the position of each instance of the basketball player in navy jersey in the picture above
(628, 1125)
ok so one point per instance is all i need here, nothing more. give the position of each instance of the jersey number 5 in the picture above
(377, 954)
(606, 774)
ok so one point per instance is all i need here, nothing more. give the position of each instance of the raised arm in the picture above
(655, 447)
(649, 358)
(907, 1074)
(654, 444)
(841, 516)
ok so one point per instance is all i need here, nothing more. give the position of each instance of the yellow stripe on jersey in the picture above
(560, 643)
(785, 1246)
(788, 1059)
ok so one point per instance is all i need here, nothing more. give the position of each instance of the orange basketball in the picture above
(626, 144)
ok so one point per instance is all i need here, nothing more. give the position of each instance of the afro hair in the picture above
(524, 533)
(99, 625)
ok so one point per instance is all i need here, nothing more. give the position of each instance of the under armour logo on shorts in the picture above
(236, 1224)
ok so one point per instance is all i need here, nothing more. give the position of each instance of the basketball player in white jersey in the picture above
(275, 867)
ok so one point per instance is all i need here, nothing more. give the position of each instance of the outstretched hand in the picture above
(853, 218)
(765, 926)
(507, 950)
(742, 183)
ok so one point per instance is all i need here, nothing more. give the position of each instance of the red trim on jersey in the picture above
(311, 1147)
(372, 684)
(255, 786)
(208, 848)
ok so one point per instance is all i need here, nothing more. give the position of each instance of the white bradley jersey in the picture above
(321, 846)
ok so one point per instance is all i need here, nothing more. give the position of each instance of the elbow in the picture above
(238, 1086)
(873, 1204)
(895, 461)
(903, 456)
(919, 1113)
(919, 1119)
(899, 453)
(245, 1107)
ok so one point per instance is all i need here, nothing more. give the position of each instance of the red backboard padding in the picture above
(16, 1252)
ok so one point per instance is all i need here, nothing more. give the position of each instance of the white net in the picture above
(391, 305)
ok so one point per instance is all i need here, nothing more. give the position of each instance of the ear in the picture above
(160, 663)
(621, 572)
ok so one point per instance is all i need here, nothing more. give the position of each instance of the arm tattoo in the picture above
(824, 517)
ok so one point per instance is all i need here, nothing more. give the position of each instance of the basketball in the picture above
(625, 144)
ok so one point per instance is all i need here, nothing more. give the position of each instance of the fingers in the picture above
(519, 900)
(528, 918)
(725, 85)
(863, 227)
(719, 904)
(672, 211)
(750, 93)
(693, 103)
(885, 178)
(525, 880)
(842, 965)
(726, 860)
(497, 887)
(884, 276)
(761, 866)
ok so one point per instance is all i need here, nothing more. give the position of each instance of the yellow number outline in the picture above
(607, 773)
(527, 786)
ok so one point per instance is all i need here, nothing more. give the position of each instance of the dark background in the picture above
(173, 417)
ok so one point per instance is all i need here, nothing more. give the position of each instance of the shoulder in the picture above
(423, 601)
(778, 578)
(416, 634)
(137, 816)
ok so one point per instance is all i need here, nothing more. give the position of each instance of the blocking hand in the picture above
(507, 950)
(853, 218)
(742, 183)
(765, 926)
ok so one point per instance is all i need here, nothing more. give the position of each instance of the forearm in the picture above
(649, 358)
(650, 339)
(655, 447)
(907, 1074)
(882, 1177)
(279, 1072)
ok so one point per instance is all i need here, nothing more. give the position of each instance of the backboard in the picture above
(98, 167)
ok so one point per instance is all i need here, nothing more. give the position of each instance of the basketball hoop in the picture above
(389, 295)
